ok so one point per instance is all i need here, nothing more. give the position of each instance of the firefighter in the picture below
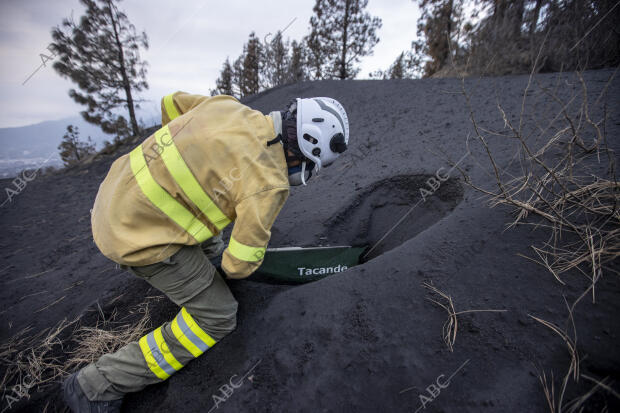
(160, 211)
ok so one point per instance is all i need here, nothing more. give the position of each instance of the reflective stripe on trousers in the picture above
(158, 356)
(190, 281)
(190, 335)
(157, 353)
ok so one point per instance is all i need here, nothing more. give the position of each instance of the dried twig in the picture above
(450, 327)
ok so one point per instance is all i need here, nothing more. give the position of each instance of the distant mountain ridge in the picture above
(43, 138)
(32, 146)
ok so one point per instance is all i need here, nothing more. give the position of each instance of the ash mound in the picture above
(367, 339)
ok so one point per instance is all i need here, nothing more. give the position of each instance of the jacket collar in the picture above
(276, 116)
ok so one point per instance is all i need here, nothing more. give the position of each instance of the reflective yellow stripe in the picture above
(196, 328)
(189, 346)
(163, 200)
(186, 180)
(171, 110)
(165, 349)
(244, 252)
(190, 335)
(150, 360)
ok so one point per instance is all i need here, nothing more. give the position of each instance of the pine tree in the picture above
(318, 54)
(501, 37)
(237, 76)
(342, 32)
(438, 26)
(406, 66)
(276, 62)
(72, 149)
(297, 69)
(397, 69)
(250, 75)
(263, 66)
(224, 84)
(101, 55)
(378, 75)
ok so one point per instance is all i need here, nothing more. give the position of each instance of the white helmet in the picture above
(322, 130)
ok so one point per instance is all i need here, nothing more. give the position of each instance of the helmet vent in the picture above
(317, 119)
(310, 139)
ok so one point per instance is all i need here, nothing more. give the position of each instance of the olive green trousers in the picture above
(208, 313)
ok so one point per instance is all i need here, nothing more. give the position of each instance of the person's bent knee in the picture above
(214, 309)
(230, 324)
(227, 324)
(218, 325)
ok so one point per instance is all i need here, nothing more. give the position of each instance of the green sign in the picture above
(301, 265)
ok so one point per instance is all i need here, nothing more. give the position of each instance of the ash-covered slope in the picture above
(366, 339)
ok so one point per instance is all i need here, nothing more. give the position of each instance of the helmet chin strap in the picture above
(297, 174)
(303, 173)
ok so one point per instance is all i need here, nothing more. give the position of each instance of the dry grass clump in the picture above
(567, 179)
(450, 327)
(561, 179)
(107, 336)
(555, 399)
(30, 363)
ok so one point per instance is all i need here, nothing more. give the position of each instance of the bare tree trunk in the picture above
(448, 17)
(130, 106)
(519, 8)
(343, 57)
(499, 15)
(535, 16)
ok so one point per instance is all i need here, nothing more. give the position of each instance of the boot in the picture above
(77, 401)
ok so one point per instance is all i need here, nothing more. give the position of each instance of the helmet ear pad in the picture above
(289, 127)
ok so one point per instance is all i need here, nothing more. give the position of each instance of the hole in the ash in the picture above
(371, 219)
(381, 217)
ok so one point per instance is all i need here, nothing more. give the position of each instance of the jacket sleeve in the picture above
(178, 103)
(250, 235)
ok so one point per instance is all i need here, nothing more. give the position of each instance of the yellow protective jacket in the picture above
(207, 166)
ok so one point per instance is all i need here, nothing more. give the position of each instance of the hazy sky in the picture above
(189, 40)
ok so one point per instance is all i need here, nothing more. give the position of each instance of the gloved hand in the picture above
(214, 246)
